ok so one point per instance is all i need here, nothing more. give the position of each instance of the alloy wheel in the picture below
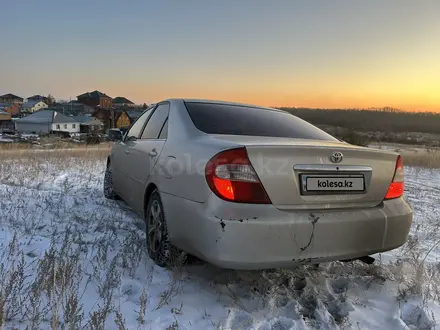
(155, 225)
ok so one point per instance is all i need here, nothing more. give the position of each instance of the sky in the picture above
(315, 53)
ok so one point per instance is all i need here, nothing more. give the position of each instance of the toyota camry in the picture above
(248, 187)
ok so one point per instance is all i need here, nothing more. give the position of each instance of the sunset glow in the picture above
(336, 54)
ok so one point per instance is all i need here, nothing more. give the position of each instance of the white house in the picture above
(33, 106)
(46, 121)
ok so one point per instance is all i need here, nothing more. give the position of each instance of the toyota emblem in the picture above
(337, 157)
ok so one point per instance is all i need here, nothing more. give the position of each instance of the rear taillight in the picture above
(396, 187)
(231, 176)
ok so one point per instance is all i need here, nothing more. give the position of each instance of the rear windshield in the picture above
(214, 118)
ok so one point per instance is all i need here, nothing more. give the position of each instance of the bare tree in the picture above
(50, 100)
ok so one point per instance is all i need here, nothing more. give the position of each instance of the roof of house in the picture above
(38, 97)
(94, 95)
(12, 96)
(46, 117)
(83, 119)
(60, 118)
(121, 100)
(88, 120)
(38, 117)
(30, 104)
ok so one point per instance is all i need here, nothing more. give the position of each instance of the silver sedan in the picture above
(247, 187)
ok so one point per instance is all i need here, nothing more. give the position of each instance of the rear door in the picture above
(145, 151)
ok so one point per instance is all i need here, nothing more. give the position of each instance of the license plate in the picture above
(321, 183)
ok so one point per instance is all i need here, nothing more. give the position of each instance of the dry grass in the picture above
(46, 291)
(56, 156)
(91, 242)
(50, 143)
(429, 158)
(52, 296)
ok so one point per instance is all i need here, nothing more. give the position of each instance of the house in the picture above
(95, 98)
(33, 106)
(49, 100)
(89, 124)
(123, 121)
(11, 98)
(113, 118)
(122, 102)
(6, 123)
(12, 108)
(47, 121)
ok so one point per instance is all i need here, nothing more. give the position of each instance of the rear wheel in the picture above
(160, 249)
(108, 183)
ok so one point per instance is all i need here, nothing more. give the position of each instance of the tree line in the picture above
(384, 120)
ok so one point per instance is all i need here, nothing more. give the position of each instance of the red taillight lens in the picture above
(231, 176)
(395, 190)
(396, 187)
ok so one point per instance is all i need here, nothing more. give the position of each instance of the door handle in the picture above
(153, 153)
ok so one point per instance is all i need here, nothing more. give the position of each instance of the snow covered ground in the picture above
(71, 259)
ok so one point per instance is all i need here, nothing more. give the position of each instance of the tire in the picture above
(159, 247)
(109, 192)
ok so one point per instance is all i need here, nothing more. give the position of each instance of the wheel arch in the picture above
(148, 191)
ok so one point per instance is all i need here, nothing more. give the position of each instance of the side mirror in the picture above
(115, 134)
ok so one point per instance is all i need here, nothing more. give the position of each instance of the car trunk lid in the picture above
(301, 174)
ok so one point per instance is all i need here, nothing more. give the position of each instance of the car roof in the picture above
(212, 101)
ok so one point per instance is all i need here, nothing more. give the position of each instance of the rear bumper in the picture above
(243, 236)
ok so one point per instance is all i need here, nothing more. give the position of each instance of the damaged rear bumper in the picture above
(243, 236)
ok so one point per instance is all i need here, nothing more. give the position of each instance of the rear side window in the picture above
(156, 121)
(214, 118)
(164, 132)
